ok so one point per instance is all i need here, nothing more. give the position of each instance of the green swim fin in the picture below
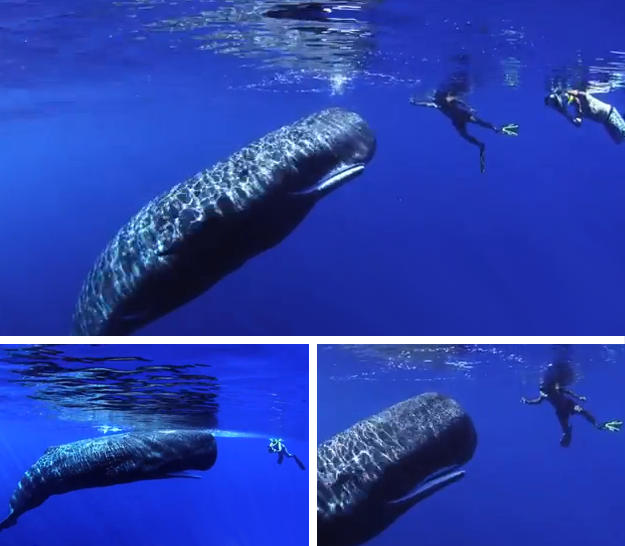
(612, 426)
(512, 129)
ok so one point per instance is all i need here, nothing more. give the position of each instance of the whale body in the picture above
(111, 460)
(186, 240)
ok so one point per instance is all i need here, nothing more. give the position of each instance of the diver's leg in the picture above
(585, 414)
(485, 124)
(461, 127)
(280, 457)
(563, 419)
(615, 125)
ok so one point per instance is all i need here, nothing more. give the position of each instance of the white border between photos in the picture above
(312, 342)
(306, 340)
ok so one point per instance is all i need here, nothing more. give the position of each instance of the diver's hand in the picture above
(523, 400)
(412, 100)
(582, 398)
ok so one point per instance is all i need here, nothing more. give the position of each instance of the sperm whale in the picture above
(111, 460)
(376, 470)
(189, 238)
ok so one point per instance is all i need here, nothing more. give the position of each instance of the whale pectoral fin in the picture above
(427, 489)
(338, 176)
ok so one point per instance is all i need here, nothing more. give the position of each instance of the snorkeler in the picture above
(553, 388)
(277, 446)
(589, 107)
(460, 113)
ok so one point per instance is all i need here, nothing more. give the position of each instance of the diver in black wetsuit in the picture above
(553, 388)
(460, 113)
(276, 446)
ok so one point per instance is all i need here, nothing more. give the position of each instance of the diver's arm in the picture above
(577, 121)
(576, 99)
(425, 103)
(571, 393)
(533, 401)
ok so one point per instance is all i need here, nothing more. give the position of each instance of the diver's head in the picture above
(553, 100)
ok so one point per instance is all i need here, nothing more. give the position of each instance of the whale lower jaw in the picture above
(337, 177)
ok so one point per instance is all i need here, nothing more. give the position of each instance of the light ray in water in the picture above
(236, 434)
(218, 433)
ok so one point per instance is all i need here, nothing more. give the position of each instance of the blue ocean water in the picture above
(105, 105)
(521, 487)
(53, 395)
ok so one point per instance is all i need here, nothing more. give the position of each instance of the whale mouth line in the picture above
(431, 484)
(335, 178)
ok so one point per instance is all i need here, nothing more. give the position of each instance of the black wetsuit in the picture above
(562, 401)
(553, 388)
(460, 114)
(565, 406)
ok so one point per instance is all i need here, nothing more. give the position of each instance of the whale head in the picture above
(378, 469)
(325, 151)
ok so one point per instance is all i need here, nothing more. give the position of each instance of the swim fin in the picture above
(299, 463)
(512, 129)
(482, 159)
(612, 426)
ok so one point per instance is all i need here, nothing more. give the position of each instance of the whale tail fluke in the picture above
(9, 521)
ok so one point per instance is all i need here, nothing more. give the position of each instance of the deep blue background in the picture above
(422, 243)
(521, 487)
